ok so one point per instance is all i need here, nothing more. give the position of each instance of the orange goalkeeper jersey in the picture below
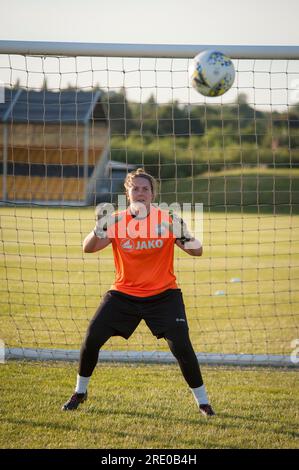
(143, 252)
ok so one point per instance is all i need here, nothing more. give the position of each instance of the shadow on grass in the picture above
(221, 420)
(150, 434)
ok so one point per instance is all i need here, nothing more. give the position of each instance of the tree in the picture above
(118, 112)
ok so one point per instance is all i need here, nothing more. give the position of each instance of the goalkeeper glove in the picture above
(103, 215)
(104, 219)
(179, 228)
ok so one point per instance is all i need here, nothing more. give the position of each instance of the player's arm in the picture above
(193, 247)
(92, 243)
(98, 238)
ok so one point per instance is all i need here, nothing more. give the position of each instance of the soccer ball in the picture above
(212, 73)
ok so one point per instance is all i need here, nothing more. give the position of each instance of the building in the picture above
(54, 148)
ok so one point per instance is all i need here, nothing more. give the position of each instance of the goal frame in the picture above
(73, 49)
(187, 51)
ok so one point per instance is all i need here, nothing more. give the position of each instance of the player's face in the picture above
(140, 192)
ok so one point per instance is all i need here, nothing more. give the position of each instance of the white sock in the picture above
(200, 395)
(82, 383)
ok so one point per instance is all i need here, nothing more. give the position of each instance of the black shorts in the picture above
(123, 312)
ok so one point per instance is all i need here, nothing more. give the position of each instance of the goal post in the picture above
(75, 118)
(172, 51)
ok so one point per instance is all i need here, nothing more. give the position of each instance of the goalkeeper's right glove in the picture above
(103, 214)
(104, 219)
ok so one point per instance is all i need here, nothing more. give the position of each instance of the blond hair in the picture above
(140, 173)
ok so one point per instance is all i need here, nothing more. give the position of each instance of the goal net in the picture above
(75, 119)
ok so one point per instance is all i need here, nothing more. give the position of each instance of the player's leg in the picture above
(111, 318)
(96, 336)
(165, 315)
(181, 347)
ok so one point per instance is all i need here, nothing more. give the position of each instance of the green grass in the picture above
(256, 190)
(147, 407)
(50, 289)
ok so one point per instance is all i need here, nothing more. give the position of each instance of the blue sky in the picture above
(152, 21)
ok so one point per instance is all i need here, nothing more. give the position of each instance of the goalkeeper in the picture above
(145, 288)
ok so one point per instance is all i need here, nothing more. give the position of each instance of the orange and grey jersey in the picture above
(143, 252)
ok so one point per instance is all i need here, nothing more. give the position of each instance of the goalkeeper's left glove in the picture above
(179, 229)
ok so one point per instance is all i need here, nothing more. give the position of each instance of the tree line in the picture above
(200, 137)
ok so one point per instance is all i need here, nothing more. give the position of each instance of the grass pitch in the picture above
(50, 289)
(147, 407)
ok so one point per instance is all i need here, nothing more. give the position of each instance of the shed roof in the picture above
(44, 106)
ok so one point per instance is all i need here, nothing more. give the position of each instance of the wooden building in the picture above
(51, 144)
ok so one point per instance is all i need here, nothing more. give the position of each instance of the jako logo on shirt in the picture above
(130, 245)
